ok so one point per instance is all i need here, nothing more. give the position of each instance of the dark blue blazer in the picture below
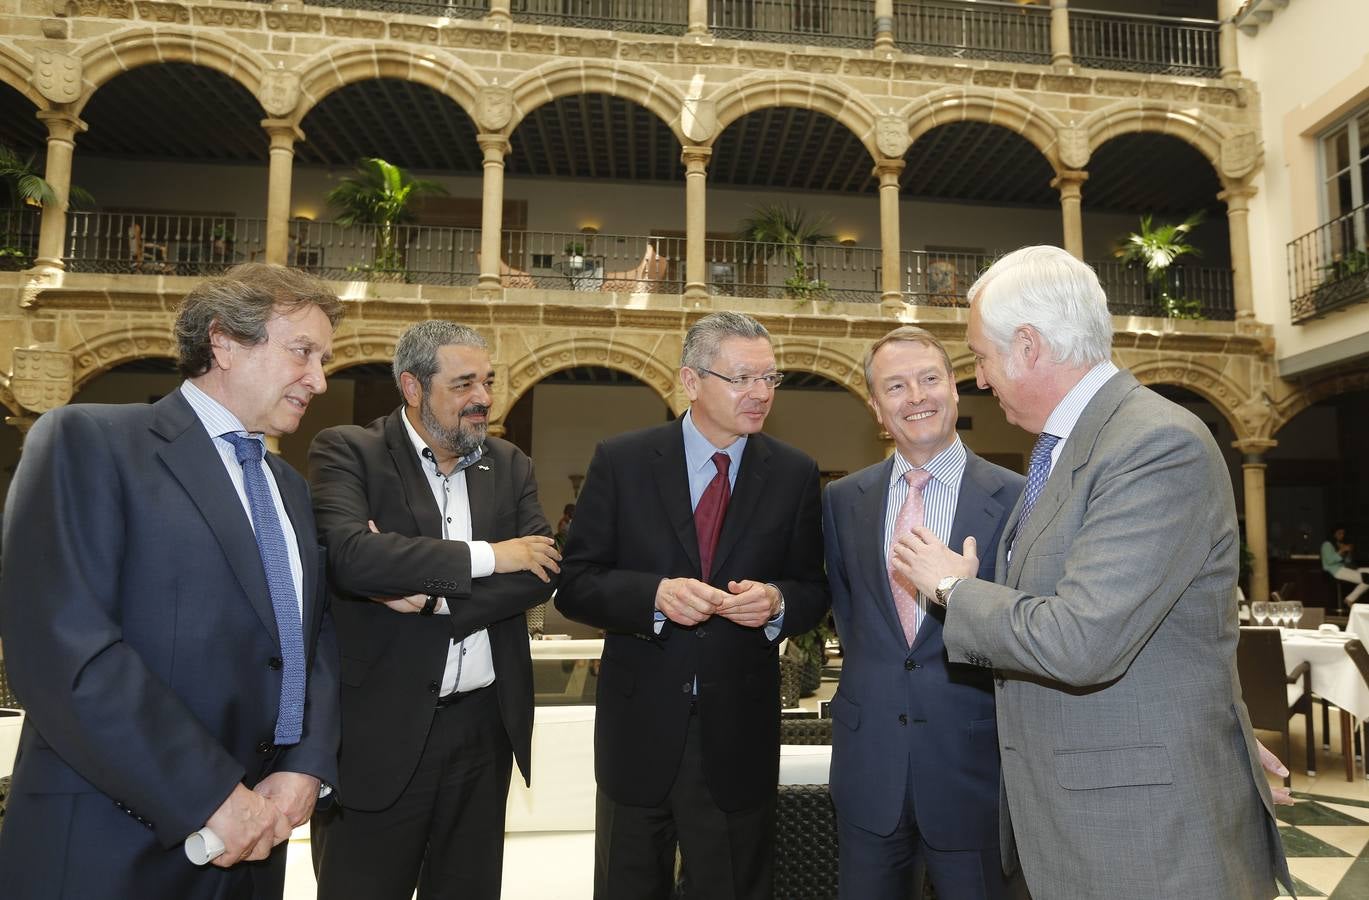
(950, 731)
(140, 637)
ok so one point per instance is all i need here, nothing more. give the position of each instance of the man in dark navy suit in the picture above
(915, 748)
(165, 619)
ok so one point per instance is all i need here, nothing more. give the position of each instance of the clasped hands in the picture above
(251, 822)
(689, 601)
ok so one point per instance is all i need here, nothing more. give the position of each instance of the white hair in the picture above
(1048, 289)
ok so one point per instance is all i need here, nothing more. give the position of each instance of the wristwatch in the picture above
(430, 606)
(944, 588)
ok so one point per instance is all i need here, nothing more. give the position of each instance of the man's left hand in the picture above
(923, 560)
(752, 604)
(1272, 765)
(293, 793)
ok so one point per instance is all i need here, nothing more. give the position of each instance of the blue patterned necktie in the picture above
(275, 559)
(1038, 471)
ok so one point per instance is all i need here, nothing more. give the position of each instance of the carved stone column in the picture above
(495, 148)
(695, 160)
(1256, 528)
(890, 280)
(63, 127)
(1237, 198)
(283, 136)
(698, 17)
(1061, 53)
(499, 11)
(1070, 184)
(884, 24)
(1227, 50)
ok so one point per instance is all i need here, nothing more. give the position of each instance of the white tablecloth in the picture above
(1334, 674)
(9, 741)
(567, 649)
(1359, 622)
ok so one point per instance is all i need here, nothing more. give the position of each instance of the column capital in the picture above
(888, 169)
(1069, 180)
(62, 124)
(284, 133)
(695, 158)
(1236, 195)
(1254, 449)
(494, 146)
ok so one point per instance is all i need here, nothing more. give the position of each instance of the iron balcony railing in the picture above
(931, 278)
(609, 263)
(823, 272)
(644, 16)
(974, 29)
(160, 244)
(18, 238)
(1138, 43)
(467, 9)
(825, 23)
(1328, 267)
(1184, 292)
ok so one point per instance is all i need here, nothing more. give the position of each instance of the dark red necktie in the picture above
(708, 515)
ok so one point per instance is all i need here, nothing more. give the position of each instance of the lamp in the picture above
(589, 229)
(848, 241)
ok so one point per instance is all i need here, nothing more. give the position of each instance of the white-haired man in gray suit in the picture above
(1129, 766)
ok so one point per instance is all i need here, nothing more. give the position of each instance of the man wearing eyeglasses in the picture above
(696, 547)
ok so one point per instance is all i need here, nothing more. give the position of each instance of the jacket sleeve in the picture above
(803, 581)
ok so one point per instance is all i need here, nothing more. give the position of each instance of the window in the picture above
(1345, 162)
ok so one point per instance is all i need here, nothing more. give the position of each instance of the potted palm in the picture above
(1156, 247)
(378, 194)
(788, 232)
(24, 189)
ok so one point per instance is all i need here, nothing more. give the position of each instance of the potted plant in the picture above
(787, 231)
(378, 193)
(1156, 247)
(24, 187)
(810, 650)
(575, 255)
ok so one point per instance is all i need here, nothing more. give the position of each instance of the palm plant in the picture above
(1157, 247)
(379, 193)
(788, 230)
(23, 184)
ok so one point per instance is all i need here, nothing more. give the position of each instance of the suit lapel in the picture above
(1078, 449)
(418, 495)
(867, 513)
(672, 483)
(746, 498)
(480, 480)
(192, 458)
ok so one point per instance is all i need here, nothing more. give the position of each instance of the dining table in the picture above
(1335, 678)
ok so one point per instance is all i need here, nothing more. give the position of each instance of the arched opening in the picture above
(827, 421)
(175, 159)
(1146, 174)
(23, 135)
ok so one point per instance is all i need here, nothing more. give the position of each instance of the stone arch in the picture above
(604, 352)
(626, 81)
(15, 69)
(1205, 381)
(1037, 125)
(334, 69)
(770, 90)
(831, 363)
(360, 347)
(1194, 130)
(1317, 391)
(105, 58)
(102, 352)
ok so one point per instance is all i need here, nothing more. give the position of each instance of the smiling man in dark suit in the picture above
(164, 616)
(438, 546)
(697, 547)
(915, 747)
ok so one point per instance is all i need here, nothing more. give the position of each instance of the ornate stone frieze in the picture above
(1026, 81)
(641, 51)
(370, 29)
(1116, 87)
(704, 54)
(413, 33)
(301, 23)
(760, 59)
(43, 379)
(227, 17)
(807, 62)
(475, 38)
(869, 68)
(532, 43)
(994, 78)
(1220, 96)
(1066, 84)
(594, 48)
(168, 13)
(106, 9)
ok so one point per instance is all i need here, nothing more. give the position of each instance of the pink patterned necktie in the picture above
(909, 517)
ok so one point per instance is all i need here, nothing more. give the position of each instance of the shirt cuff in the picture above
(482, 559)
(775, 625)
(658, 622)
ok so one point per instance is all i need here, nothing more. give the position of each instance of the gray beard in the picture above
(459, 441)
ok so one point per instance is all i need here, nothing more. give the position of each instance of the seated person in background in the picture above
(142, 251)
(1335, 559)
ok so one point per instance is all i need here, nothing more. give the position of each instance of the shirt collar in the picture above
(426, 458)
(945, 468)
(1067, 412)
(699, 450)
(216, 418)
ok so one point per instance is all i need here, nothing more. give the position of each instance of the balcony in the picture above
(18, 238)
(1328, 268)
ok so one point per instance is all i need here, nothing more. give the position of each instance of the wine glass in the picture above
(1260, 610)
(1281, 614)
(1296, 612)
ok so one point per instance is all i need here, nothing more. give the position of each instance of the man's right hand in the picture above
(249, 826)
(688, 601)
(533, 553)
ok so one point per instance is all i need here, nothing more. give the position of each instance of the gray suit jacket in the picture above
(1128, 761)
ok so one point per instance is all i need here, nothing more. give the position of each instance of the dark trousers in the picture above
(725, 855)
(445, 833)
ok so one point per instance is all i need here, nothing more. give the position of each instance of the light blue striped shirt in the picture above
(1067, 412)
(217, 421)
(699, 459)
(947, 468)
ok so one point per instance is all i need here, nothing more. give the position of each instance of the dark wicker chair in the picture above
(789, 682)
(805, 731)
(1259, 660)
(805, 843)
(4, 797)
(7, 698)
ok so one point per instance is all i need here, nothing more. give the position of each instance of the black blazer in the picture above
(392, 662)
(633, 528)
(140, 636)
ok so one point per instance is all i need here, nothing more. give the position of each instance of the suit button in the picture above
(902, 719)
(700, 632)
(264, 747)
(910, 665)
(274, 662)
(686, 688)
(433, 686)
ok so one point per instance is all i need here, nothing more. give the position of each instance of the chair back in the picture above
(1360, 656)
(805, 731)
(1312, 617)
(1264, 680)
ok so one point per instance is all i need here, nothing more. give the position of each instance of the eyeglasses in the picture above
(745, 382)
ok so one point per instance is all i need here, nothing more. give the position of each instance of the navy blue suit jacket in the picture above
(950, 729)
(140, 637)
